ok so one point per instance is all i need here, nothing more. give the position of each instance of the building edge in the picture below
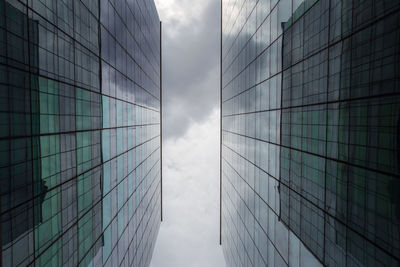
(220, 130)
(161, 124)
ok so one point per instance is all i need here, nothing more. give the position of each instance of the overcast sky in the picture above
(191, 62)
(189, 235)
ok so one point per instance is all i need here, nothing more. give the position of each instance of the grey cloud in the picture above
(189, 234)
(190, 71)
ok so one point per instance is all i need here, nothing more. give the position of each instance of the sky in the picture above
(189, 234)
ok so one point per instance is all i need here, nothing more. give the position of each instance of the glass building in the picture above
(80, 135)
(310, 150)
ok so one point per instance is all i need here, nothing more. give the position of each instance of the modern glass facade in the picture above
(310, 133)
(80, 136)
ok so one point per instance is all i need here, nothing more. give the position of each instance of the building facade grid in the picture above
(80, 132)
(310, 126)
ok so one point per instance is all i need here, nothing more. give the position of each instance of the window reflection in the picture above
(318, 146)
(79, 114)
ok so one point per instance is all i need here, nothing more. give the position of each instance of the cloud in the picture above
(191, 34)
(189, 235)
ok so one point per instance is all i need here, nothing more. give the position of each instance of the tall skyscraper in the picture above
(80, 136)
(310, 151)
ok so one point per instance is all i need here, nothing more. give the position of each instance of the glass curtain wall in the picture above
(79, 132)
(310, 132)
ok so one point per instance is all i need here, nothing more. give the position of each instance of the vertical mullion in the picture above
(220, 157)
(326, 216)
(348, 135)
(161, 124)
(31, 133)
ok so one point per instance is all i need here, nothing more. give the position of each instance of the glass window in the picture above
(84, 151)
